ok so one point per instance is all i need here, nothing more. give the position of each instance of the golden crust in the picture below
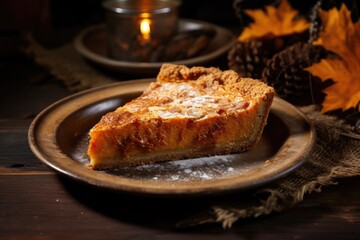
(188, 112)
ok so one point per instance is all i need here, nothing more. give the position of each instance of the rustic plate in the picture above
(58, 137)
(91, 43)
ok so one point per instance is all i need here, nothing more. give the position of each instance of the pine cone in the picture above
(248, 59)
(285, 72)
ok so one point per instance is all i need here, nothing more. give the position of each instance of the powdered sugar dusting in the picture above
(182, 100)
(198, 169)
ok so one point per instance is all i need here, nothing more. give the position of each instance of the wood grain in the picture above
(46, 205)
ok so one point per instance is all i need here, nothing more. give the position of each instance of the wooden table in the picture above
(36, 203)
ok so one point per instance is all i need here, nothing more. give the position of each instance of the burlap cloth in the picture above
(335, 155)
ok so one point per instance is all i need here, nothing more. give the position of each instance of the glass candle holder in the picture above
(136, 29)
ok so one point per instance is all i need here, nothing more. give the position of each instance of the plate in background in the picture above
(91, 43)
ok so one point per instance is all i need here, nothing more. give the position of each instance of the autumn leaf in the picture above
(273, 22)
(342, 37)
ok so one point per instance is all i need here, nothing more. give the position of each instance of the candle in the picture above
(145, 29)
(136, 28)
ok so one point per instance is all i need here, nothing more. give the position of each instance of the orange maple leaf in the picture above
(342, 37)
(273, 22)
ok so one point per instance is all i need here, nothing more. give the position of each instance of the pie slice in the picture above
(186, 113)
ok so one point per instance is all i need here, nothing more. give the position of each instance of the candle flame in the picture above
(145, 28)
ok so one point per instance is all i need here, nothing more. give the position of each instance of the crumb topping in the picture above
(193, 93)
(184, 100)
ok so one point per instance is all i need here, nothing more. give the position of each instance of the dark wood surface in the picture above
(36, 203)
